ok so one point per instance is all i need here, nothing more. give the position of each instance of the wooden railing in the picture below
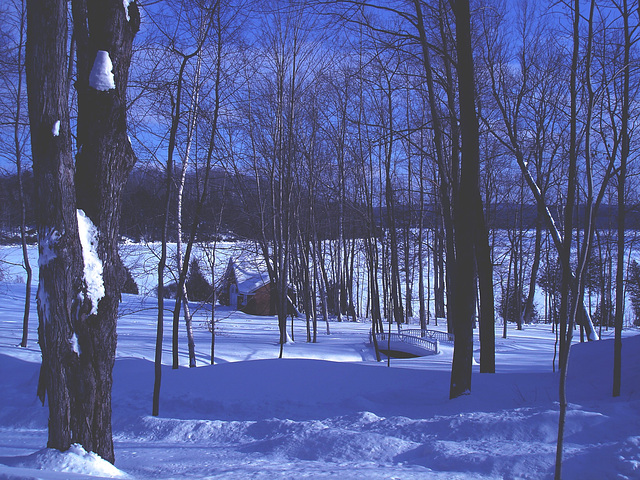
(429, 344)
(442, 337)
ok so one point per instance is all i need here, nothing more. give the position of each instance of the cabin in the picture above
(248, 289)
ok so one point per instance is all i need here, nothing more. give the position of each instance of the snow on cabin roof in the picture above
(250, 281)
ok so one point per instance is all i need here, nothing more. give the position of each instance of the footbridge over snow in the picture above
(410, 342)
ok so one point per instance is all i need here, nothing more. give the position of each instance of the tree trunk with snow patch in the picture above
(59, 245)
(80, 273)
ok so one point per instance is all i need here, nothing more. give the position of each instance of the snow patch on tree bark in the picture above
(125, 4)
(56, 128)
(43, 304)
(92, 264)
(75, 346)
(101, 76)
(47, 247)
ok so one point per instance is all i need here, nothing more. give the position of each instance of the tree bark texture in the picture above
(59, 245)
(465, 210)
(78, 334)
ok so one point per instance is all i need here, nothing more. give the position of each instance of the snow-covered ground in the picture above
(327, 410)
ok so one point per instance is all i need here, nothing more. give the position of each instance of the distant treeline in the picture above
(226, 214)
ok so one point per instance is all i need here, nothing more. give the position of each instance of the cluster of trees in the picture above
(408, 125)
(357, 106)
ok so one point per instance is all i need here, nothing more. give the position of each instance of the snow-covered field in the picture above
(327, 410)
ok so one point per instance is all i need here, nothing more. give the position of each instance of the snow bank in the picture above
(74, 461)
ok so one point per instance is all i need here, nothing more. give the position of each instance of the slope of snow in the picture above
(327, 410)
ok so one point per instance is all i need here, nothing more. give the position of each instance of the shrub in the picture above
(508, 307)
(130, 285)
(633, 286)
(198, 288)
(607, 319)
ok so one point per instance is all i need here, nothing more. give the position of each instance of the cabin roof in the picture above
(250, 282)
(249, 278)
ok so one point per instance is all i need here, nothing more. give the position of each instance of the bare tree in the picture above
(465, 208)
(625, 13)
(566, 320)
(13, 71)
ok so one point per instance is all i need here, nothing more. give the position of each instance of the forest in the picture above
(494, 141)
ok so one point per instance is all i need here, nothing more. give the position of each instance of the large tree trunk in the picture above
(59, 246)
(103, 163)
(80, 275)
(465, 210)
